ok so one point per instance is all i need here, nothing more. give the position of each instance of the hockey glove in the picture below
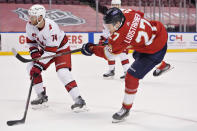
(36, 69)
(86, 49)
(34, 52)
(102, 40)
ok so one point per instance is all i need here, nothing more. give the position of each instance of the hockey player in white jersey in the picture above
(163, 67)
(45, 38)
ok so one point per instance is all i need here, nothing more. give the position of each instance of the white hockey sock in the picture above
(38, 88)
(111, 67)
(74, 93)
(66, 78)
(128, 99)
(125, 67)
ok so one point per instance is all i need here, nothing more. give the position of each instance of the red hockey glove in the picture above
(34, 52)
(41, 52)
(36, 69)
(102, 40)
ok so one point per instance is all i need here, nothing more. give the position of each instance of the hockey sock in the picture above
(38, 84)
(162, 65)
(70, 84)
(72, 89)
(125, 65)
(131, 85)
(111, 65)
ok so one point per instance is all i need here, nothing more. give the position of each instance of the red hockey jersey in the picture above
(136, 33)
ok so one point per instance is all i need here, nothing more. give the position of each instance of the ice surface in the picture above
(164, 103)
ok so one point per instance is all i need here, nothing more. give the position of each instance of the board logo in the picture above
(63, 18)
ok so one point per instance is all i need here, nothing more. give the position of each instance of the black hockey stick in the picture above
(24, 60)
(21, 121)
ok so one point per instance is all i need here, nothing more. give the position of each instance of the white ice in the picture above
(164, 103)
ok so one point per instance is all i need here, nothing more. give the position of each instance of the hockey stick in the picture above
(21, 121)
(24, 60)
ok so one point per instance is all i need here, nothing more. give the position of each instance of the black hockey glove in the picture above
(86, 49)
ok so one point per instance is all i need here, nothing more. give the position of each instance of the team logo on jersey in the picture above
(63, 18)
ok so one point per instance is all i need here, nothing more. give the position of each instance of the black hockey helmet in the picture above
(113, 15)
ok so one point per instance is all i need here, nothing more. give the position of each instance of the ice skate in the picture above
(160, 70)
(40, 101)
(120, 116)
(79, 105)
(109, 75)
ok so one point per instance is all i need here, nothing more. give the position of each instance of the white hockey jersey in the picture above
(49, 38)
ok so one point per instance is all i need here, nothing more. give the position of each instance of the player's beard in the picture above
(34, 24)
(38, 23)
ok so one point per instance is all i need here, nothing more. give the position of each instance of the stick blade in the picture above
(15, 122)
(19, 57)
(14, 51)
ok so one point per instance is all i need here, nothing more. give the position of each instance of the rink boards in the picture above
(177, 42)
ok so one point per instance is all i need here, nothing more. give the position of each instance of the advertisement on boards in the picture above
(76, 40)
(176, 41)
(18, 41)
(13, 40)
(182, 40)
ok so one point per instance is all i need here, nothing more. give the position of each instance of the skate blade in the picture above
(118, 121)
(169, 69)
(40, 106)
(78, 109)
(109, 78)
(165, 71)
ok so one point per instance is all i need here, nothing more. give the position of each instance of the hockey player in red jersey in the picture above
(163, 66)
(130, 30)
(45, 38)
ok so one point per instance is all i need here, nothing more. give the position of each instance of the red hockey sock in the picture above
(125, 62)
(111, 62)
(127, 106)
(163, 65)
(71, 85)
